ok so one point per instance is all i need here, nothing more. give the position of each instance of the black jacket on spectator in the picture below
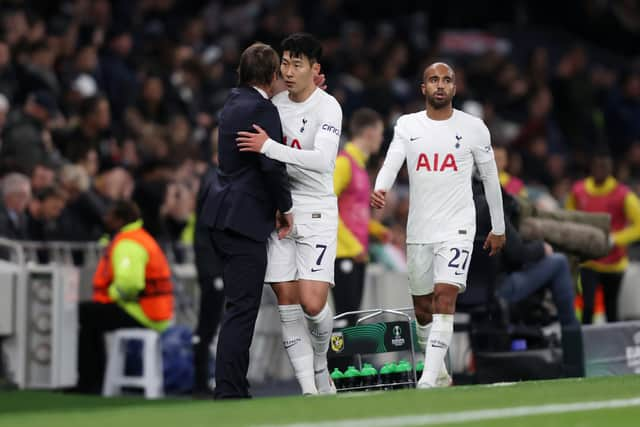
(86, 212)
(9, 228)
(516, 253)
(22, 143)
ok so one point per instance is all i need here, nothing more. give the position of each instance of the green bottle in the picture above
(352, 377)
(369, 375)
(403, 371)
(387, 373)
(338, 378)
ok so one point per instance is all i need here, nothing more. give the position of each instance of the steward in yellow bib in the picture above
(131, 289)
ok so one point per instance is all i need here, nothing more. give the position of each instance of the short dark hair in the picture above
(258, 63)
(126, 211)
(89, 105)
(363, 118)
(51, 192)
(299, 44)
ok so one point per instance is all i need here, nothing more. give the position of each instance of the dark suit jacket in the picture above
(8, 228)
(248, 187)
(206, 260)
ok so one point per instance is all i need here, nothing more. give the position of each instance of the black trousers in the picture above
(95, 320)
(611, 288)
(211, 304)
(349, 278)
(244, 264)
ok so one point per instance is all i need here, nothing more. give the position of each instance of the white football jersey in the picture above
(440, 157)
(311, 132)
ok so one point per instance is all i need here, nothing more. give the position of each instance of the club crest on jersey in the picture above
(434, 164)
(304, 123)
(458, 138)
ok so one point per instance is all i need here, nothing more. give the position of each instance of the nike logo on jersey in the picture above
(459, 273)
(291, 342)
(434, 165)
(414, 138)
(314, 270)
(438, 344)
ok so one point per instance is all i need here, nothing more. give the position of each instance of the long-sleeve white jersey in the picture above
(440, 157)
(311, 132)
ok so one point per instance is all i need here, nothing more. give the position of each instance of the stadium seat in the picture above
(151, 380)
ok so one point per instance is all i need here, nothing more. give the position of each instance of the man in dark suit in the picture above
(248, 198)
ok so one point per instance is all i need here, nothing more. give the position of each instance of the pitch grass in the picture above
(50, 409)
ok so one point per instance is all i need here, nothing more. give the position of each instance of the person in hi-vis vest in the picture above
(601, 192)
(352, 186)
(131, 289)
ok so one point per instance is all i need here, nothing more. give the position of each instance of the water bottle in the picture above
(387, 373)
(351, 377)
(369, 375)
(402, 373)
(338, 378)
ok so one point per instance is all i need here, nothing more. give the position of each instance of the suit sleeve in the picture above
(275, 172)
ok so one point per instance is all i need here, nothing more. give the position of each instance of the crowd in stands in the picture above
(107, 100)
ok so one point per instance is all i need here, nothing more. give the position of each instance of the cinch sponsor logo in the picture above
(434, 164)
(331, 128)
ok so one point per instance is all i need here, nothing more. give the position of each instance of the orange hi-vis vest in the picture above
(156, 300)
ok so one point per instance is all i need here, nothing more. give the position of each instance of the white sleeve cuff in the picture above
(266, 145)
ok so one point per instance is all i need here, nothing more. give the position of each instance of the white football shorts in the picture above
(309, 252)
(442, 262)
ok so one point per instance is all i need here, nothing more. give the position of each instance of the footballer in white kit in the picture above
(441, 147)
(300, 267)
(441, 225)
(313, 128)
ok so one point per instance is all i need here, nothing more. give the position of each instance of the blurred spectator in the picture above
(601, 192)
(35, 72)
(511, 184)
(90, 134)
(8, 78)
(574, 103)
(151, 107)
(524, 267)
(623, 113)
(353, 188)
(4, 110)
(44, 215)
(25, 139)
(117, 74)
(84, 208)
(43, 176)
(16, 193)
